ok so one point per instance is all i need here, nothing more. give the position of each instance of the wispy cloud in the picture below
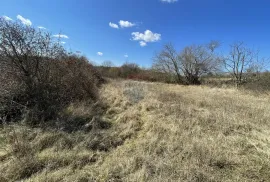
(126, 56)
(63, 42)
(6, 18)
(99, 53)
(143, 44)
(61, 36)
(24, 20)
(169, 1)
(126, 24)
(40, 27)
(113, 25)
(147, 36)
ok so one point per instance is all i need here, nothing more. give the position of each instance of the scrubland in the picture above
(141, 131)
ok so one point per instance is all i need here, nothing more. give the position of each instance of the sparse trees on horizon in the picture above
(190, 64)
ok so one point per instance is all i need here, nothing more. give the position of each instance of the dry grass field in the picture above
(148, 132)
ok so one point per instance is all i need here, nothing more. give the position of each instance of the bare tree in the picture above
(239, 60)
(197, 60)
(169, 62)
(190, 64)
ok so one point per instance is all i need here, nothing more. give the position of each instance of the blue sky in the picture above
(183, 22)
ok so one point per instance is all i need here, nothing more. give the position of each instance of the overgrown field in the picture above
(147, 132)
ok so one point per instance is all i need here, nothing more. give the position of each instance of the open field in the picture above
(148, 132)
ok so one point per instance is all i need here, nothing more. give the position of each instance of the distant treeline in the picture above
(196, 63)
(135, 72)
(253, 80)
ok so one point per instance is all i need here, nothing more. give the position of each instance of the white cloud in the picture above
(126, 56)
(25, 21)
(40, 27)
(113, 25)
(142, 43)
(169, 1)
(126, 24)
(63, 42)
(99, 53)
(6, 18)
(61, 36)
(147, 36)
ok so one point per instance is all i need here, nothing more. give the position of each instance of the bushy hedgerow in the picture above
(38, 78)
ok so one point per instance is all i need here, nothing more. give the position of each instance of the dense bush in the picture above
(38, 78)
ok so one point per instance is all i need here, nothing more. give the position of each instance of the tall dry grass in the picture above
(153, 132)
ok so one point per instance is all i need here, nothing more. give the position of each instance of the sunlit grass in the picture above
(158, 132)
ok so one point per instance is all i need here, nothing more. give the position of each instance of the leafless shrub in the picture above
(39, 77)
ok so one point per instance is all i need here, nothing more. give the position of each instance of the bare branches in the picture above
(168, 61)
(192, 62)
(27, 50)
(198, 60)
(239, 60)
(36, 72)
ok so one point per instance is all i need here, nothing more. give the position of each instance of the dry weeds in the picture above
(158, 132)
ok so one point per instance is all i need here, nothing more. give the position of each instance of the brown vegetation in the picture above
(38, 77)
(134, 72)
(151, 132)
